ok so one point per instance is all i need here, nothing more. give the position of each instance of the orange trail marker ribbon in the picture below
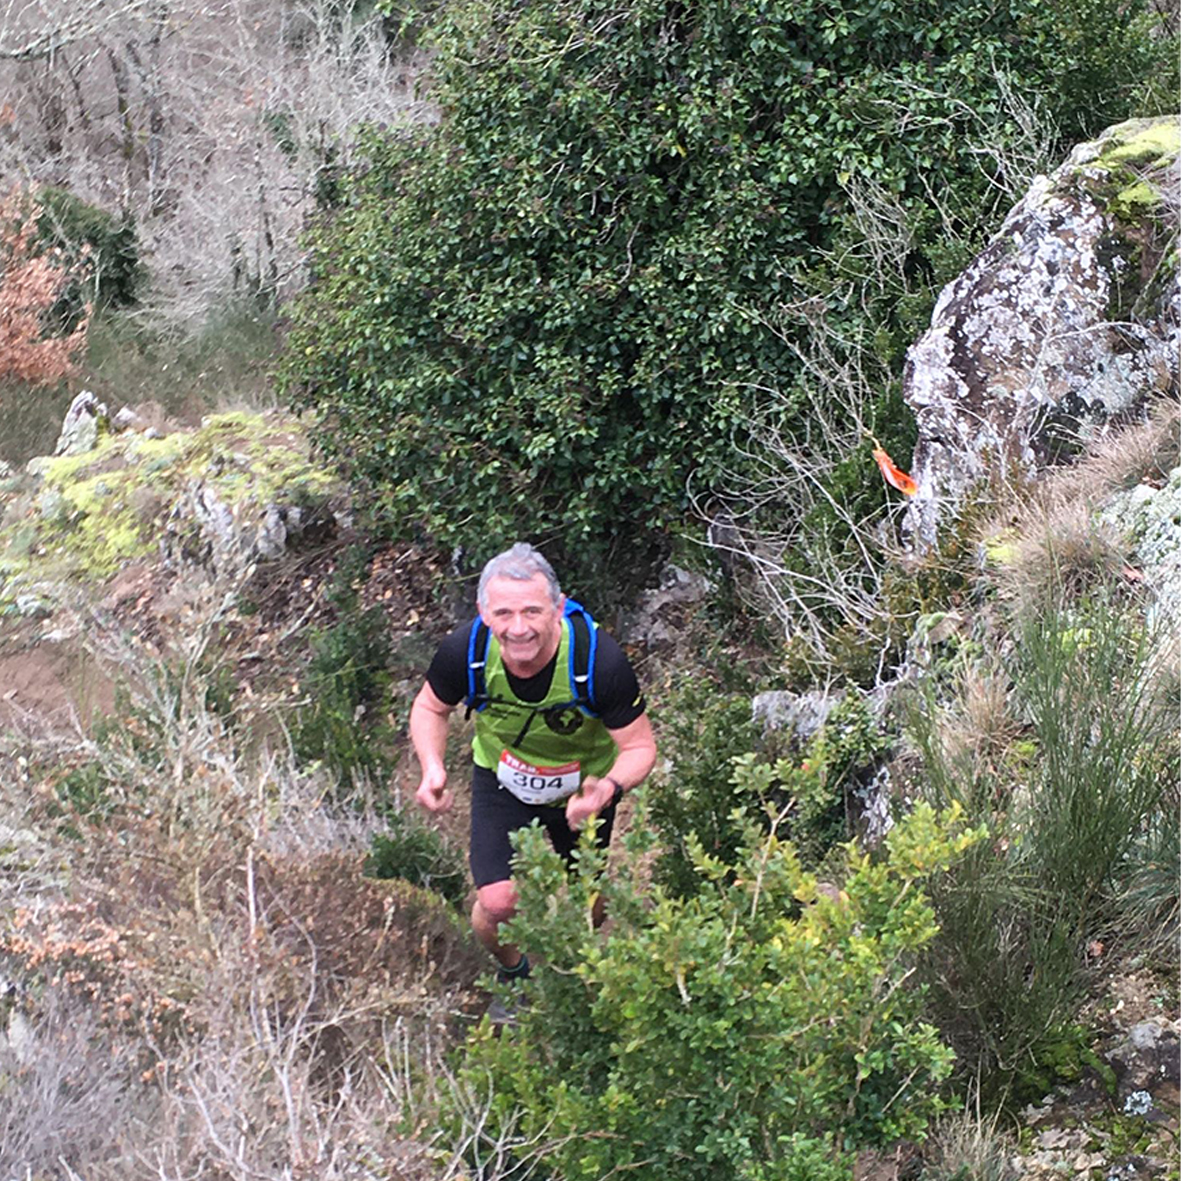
(894, 476)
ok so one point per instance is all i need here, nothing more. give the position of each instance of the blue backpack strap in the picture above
(584, 642)
(477, 658)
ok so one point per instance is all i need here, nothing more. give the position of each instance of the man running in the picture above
(539, 751)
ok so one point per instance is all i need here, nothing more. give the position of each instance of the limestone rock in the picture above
(1146, 1067)
(1151, 519)
(126, 420)
(272, 533)
(79, 431)
(33, 606)
(1070, 318)
(51, 504)
(203, 529)
(658, 615)
(800, 714)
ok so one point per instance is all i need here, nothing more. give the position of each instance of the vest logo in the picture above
(563, 721)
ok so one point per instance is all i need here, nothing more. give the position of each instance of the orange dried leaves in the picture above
(31, 281)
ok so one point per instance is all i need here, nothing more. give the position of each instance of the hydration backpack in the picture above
(584, 641)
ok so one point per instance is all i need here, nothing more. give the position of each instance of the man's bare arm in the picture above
(428, 735)
(636, 758)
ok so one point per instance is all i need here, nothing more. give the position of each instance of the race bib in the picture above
(537, 785)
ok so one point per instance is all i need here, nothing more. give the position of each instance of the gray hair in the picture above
(521, 562)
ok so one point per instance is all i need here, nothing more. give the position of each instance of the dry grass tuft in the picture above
(978, 732)
(968, 1147)
(1053, 542)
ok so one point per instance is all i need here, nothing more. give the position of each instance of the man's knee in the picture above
(498, 900)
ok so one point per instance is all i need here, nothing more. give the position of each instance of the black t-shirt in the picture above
(617, 693)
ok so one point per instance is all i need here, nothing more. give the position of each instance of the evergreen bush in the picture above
(758, 1030)
(544, 314)
(703, 730)
(722, 777)
(103, 250)
(419, 855)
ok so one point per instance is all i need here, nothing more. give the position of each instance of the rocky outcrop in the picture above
(1150, 517)
(660, 613)
(239, 489)
(80, 427)
(1068, 320)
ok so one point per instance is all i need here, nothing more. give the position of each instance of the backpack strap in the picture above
(477, 658)
(584, 642)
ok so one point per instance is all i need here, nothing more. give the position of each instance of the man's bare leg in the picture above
(496, 903)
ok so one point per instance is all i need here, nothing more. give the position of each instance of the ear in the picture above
(561, 604)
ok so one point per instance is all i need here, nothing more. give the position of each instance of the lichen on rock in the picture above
(1151, 519)
(1069, 319)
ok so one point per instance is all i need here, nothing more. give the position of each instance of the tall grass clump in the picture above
(1076, 806)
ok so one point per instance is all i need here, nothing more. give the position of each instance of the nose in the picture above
(519, 625)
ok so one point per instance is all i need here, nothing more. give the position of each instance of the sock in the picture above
(519, 972)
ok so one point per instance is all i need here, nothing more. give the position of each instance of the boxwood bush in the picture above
(759, 1030)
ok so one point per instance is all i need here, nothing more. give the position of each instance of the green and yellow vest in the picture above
(548, 735)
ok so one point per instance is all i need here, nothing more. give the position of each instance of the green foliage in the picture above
(754, 1030)
(104, 248)
(1063, 1055)
(719, 784)
(849, 742)
(1150, 894)
(541, 316)
(347, 685)
(1083, 790)
(83, 790)
(703, 730)
(1089, 680)
(419, 855)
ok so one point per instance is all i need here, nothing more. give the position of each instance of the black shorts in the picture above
(496, 812)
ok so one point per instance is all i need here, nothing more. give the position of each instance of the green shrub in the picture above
(104, 248)
(718, 784)
(419, 855)
(543, 314)
(728, 1035)
(703, 729)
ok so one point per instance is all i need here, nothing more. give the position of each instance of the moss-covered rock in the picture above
(236, 489)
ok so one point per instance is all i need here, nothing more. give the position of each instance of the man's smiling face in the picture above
(524, 620)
